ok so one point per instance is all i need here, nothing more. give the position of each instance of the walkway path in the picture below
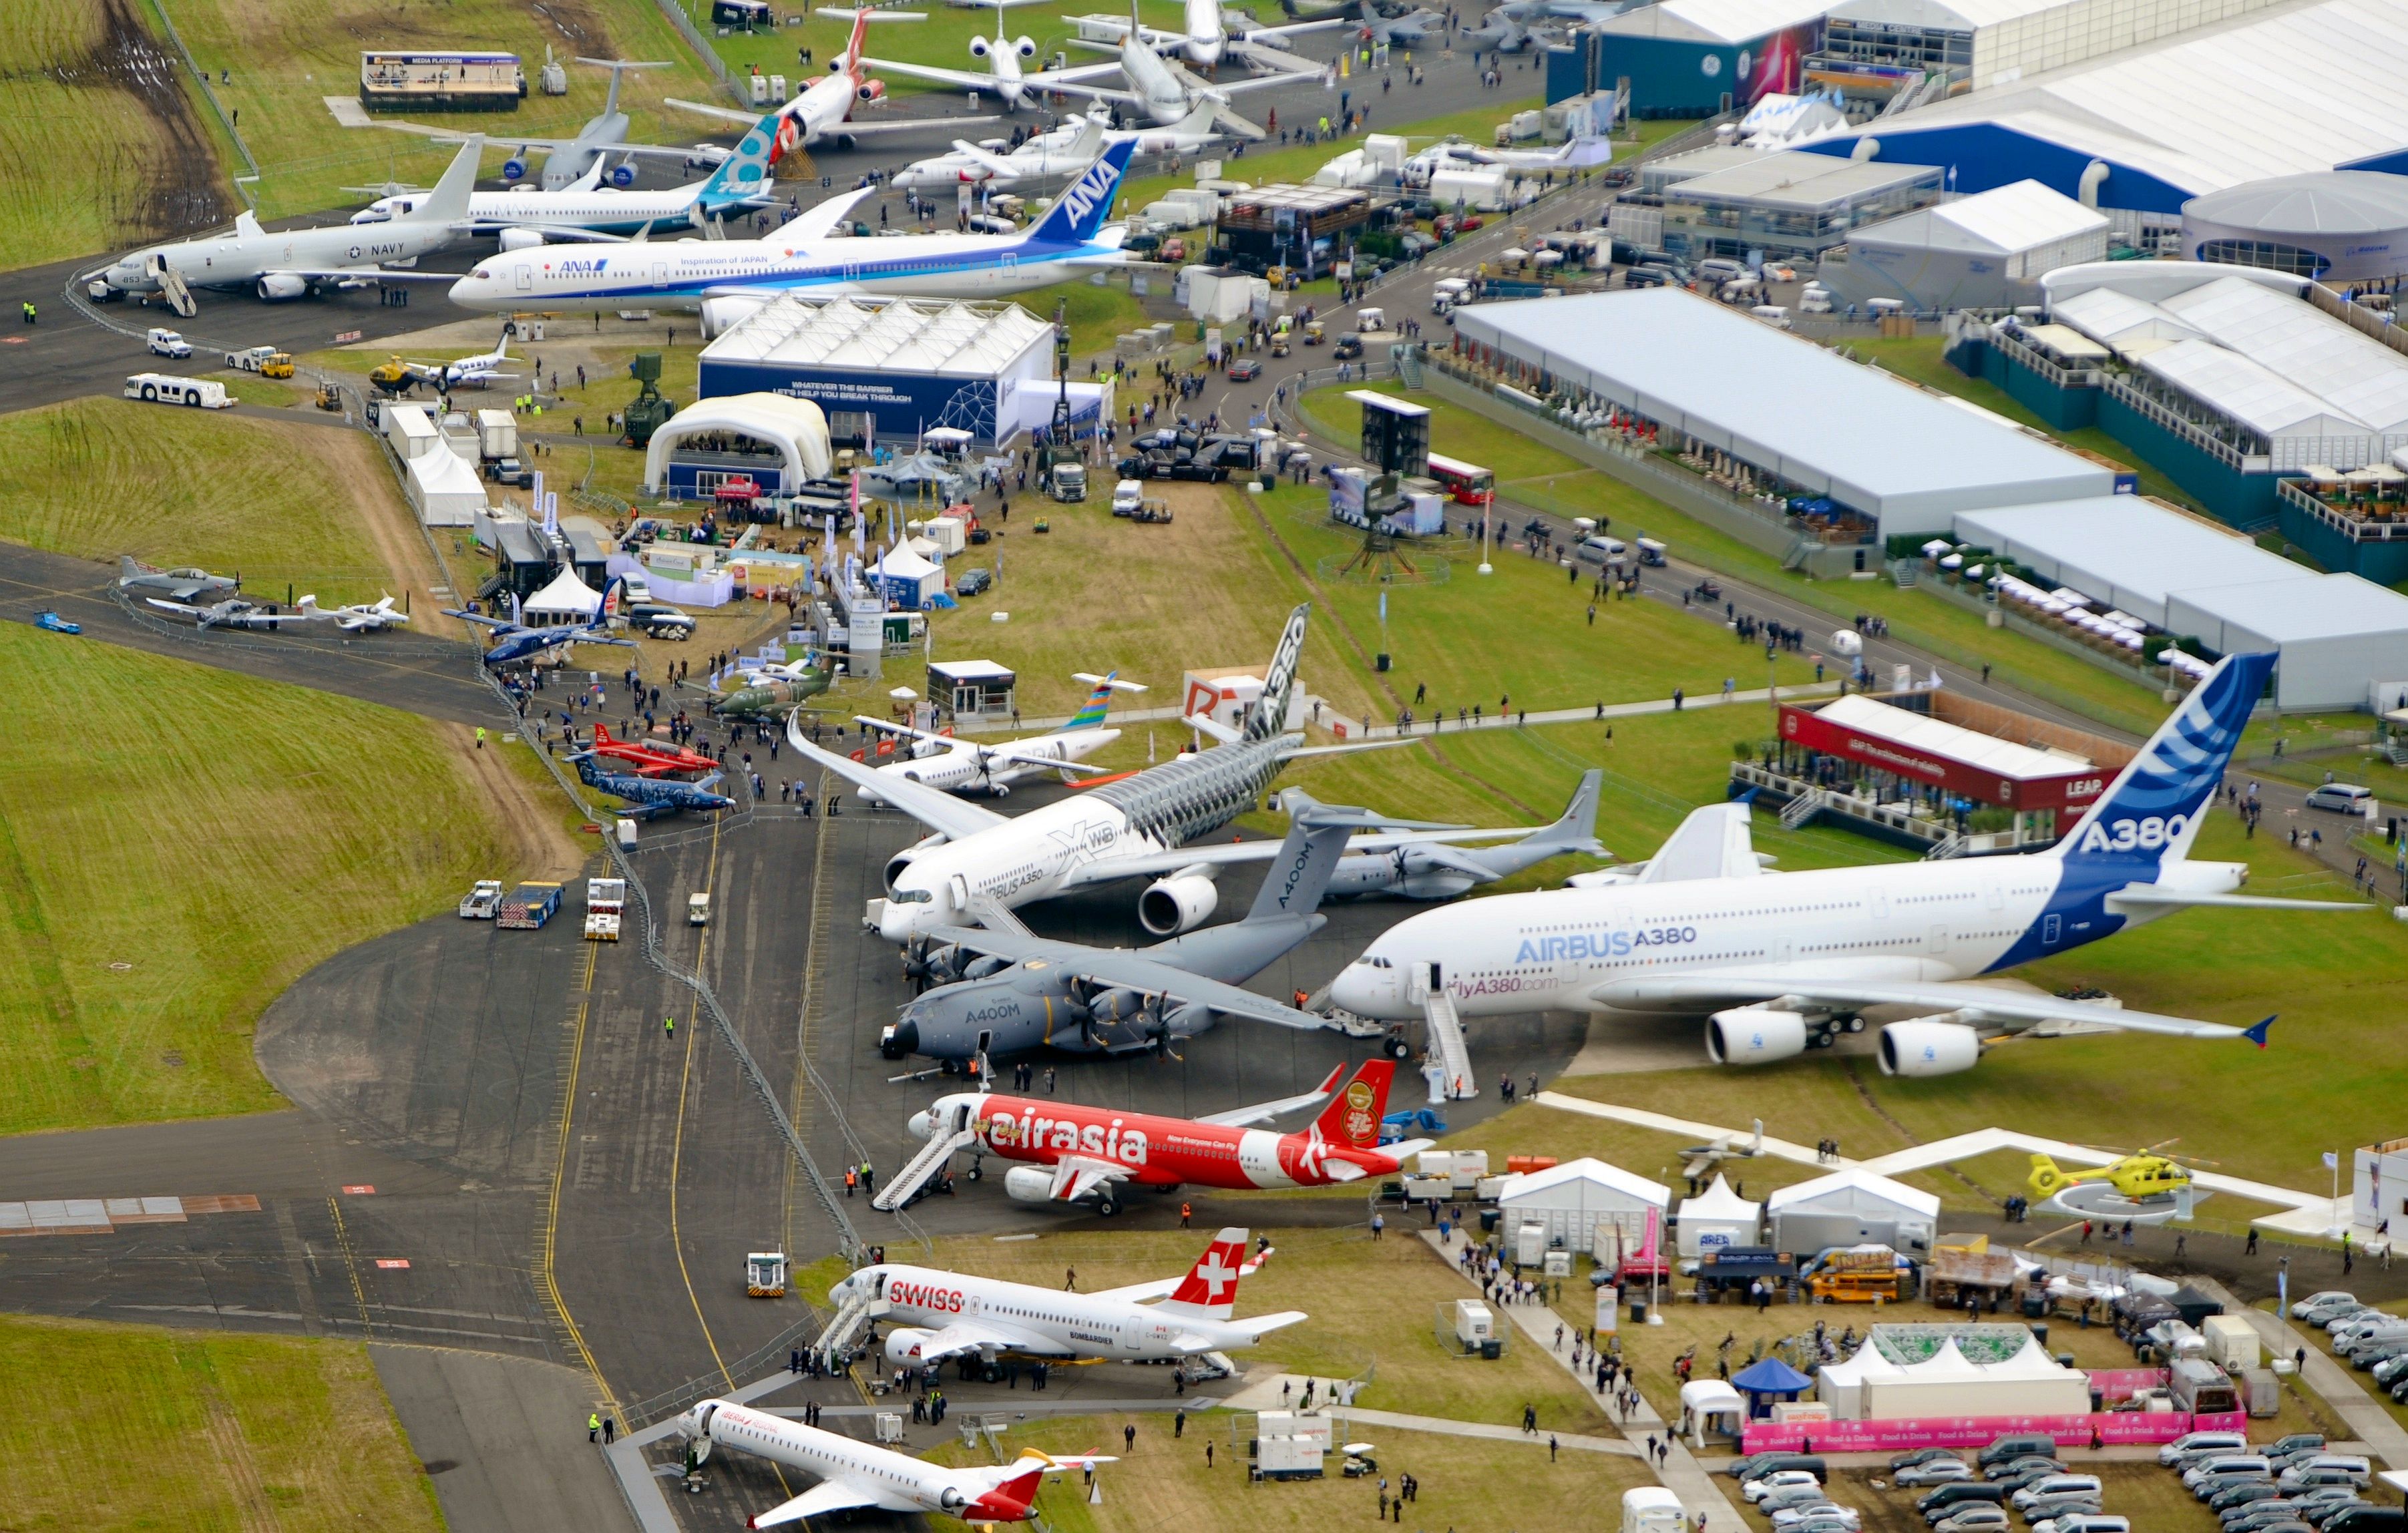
(1277, 1390)
(1680, 1472)
(2369, 1422)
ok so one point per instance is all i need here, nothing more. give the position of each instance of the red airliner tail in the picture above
(1210, 1290)
(1353, 1116)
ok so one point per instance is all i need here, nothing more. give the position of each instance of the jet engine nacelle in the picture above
(873, 89)
(719, 316)
(624, 176)
(1755, 1035)
(1028, 1184)
(1025, 48)
(1925, 1046)
(903, 1345)
(1174, 905)
(521, 239)
(276, 287)
(514, 169)
(980, 47)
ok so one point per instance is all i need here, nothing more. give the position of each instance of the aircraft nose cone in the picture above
(904, 1042)
(917, 1125)
(1352, 990)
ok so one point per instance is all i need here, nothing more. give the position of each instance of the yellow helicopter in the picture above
(2141, 1176)
(395, 376)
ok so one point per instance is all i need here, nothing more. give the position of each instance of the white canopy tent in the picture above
(1570, 1199)
(908, 581)
(1948, 1383)
(1717, 1218)
(1712, 1405)
(1841, 1385)
(567, 599)
(444, 489)
(797, 428)
(1852, 1207)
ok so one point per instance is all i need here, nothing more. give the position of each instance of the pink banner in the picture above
(2122, 1383)
(1866, 1437)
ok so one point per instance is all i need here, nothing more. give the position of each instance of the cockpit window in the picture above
(914, 897)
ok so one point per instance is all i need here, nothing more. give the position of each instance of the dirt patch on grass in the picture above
(394, 534)
(538, 845)
(172, 185)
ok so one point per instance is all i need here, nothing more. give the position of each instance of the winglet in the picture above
(2257, 1035)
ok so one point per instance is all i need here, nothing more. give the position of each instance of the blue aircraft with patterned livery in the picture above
(1778, 964)
(803, 257)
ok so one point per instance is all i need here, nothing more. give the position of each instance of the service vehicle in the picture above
(1068, 482)
(2340, 797)
(50, 621)
(606, 908)
(167, 389)
(267, 361)
(1852, 1276)
(482, 901)
(1245, 370)
(528, 906)
(698, 909)
(167, 343)
(1349, 347)
(1125, 495)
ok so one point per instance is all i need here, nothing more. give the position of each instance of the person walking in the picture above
(1187, 1213)
(593, 1426)
(668, 1025)
(609, 1430)
(1379, 1225)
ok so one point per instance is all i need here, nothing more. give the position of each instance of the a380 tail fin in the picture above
(2150, 813)
(1353, 1116)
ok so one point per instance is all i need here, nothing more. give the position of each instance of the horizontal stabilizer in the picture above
(2152, 895)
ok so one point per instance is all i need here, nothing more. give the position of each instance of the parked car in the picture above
(2340, 797)
(1245, 370)
(2019, 1469)
(1936, 1471)
(167, 343)
(1920, 1456)
(1973, 1517)
(2330, 1299)
(659, 619)
(2019, 1445)
(2055, 1485)
(2083, 1522)
(1787, 1518)
(1757, 1466)
(974, 581)
(2234, 1498)
(2181, 1448)
(1962, 1493)
(1756, 1490)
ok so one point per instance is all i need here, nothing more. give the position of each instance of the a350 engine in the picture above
(1928, 1046)
(1755, 1035)
(1179, 903)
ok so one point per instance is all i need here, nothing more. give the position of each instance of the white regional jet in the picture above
(1064, 151)
(855, 1476)
(962, 765)
(1782, 963)
(934, 1315)
(823, 110)
(1163, 90)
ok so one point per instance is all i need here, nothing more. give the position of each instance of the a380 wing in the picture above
(2014, 1010)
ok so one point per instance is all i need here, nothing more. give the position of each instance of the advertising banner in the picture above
(2111, 1427)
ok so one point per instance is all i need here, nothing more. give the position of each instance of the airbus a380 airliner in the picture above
(1783, 963)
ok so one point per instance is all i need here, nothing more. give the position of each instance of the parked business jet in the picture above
(856, 1476)
(936, 1315)
(963, 765)
(1783, 963)
(1071, 238)
(1206, 38)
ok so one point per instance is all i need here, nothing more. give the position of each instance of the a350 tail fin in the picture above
(2150, 813)
(1267, 717)
(1353, 1116)
(1210, 1290)
(1081, 211)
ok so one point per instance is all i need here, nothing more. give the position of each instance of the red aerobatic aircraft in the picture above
(651, 760)
(1070, 1152)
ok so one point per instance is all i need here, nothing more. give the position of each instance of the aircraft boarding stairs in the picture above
(850, 1322)
(926, 1165)
(1446, 1046)
(172, 288)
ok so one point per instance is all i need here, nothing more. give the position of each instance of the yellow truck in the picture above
(267, 361)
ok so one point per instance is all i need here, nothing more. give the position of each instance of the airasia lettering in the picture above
(1031, 1135)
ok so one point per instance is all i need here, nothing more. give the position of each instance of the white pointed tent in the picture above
(567, 599)
(1717, 1218)
(1712, 1405)
(1841, 1385)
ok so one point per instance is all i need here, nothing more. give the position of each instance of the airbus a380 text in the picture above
(1781, 963)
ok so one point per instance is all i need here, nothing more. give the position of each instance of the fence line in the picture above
(244, 185)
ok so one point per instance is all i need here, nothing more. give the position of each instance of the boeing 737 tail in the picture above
(2150, 813)
(1084, 206)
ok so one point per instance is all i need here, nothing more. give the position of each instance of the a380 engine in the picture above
(1179, 903)
(1755, 1035)
(1924, 1046)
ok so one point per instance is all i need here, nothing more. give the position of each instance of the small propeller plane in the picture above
(515, 643)
(649, 760)
(180, 585)
(359, 618)
(647, 796)
(234, 612)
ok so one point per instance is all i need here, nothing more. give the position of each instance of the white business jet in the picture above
(1164, 91)
(1781, 963)
(1001, 54)
(1060, 152)
(1207, 38)
(856, 1476)
(359, 618)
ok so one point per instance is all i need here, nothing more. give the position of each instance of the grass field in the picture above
(1466, 1482)
(279, 502)
(177, 844)
(231, 1432)
(1546, 479)
(1325, 1273)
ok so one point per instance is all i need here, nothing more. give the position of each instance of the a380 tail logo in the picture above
(2153, 834)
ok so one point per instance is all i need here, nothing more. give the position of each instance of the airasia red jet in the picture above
(1071, 1153)
(651, 760)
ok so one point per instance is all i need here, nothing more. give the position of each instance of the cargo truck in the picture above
(528, 906)
(605, 907)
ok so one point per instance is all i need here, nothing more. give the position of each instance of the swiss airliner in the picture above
(1783, 963)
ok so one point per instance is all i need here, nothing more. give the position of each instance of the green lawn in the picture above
(1540, 477)
(177, 843)
(279, 502)
(232, 1433)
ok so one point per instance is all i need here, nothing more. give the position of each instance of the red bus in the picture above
(1468, 484)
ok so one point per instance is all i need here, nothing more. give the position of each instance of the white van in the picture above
(1772, 314)
(167, 389)
(2340, 797)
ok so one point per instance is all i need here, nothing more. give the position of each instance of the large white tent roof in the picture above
(2305, 88)
(2003, 757)
(901, 335)
(1716, 20)
(2248, 391)
(2127, 552)
(2298, 612)
(1585, 1169)
(2359, 376)
(2023, 216)
(1830, 426)
(2125, 323)
(1847, 1186)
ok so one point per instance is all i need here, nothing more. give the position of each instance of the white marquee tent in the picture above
(567, 599)
(1949, 1384)
(797, 428)
(444, 489)
(1852, 1208)
(1717, 1218)
(1841, 1385)
(1570, 1199)
(1712, 1405)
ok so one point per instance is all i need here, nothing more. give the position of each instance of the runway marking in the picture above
(677, 1144)
(359, 1190)
(350, 1264)
(102, 1215)
(799, 1103)
(394, 1264)
(559, 1168)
